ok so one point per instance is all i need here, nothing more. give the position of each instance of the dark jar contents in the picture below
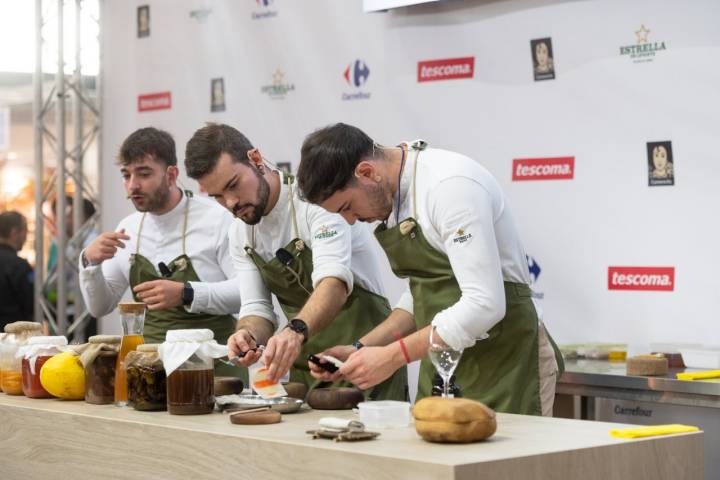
(100, 379)
(147, 387)
(31, 385)
(191, 392)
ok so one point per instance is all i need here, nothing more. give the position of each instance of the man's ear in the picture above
(366, 171)
(172, 173)
(255, 157)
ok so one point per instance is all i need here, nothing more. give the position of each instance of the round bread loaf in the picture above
(296, 390)
(339, 398)
(228, 386)
(453, 420)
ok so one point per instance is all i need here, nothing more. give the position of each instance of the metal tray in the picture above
(233, 403)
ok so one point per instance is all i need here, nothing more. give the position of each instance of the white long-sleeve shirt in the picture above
(462, 212)
(206, 245)
(339, 250)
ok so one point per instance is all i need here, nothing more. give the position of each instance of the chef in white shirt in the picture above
(323, 272)
(173, 252)
(447, 227)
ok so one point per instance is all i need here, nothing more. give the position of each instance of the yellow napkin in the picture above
(699, 375)
(637, 432)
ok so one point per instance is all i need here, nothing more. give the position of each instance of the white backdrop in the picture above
(602, 108)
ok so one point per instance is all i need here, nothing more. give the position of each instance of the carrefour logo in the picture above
(356, 75)
(265, 13)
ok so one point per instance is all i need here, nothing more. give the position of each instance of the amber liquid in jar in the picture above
(11, 382)
(128, 344)
(100, 379)
(191, 392)
(31, 385)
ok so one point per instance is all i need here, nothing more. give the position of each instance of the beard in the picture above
(154, 201)
(253, 216)
(380, 202)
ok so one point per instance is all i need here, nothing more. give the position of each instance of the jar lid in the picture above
(148, 347)
(131, 307)
(20, 327)
(105, 339)
(55, 340)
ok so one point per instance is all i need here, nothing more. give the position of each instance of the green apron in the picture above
(157, 322)
(362, 311)
(501, 371)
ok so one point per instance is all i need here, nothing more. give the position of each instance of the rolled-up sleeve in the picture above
(255, 297)
(331, 243)
(462, 211)
(406, 302)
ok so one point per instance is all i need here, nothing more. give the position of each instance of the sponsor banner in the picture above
(264, 10)
(445, 69)
(542, 58)
(154, 101)
(556, 168)
(641, 278)
(279, 88)
(644, 50)
(356, 75)
(661, 166)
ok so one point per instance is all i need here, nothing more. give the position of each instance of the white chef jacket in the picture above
(206, 245)
(463, 214)
(347, 252)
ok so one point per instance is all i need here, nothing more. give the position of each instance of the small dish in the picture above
(234, 403)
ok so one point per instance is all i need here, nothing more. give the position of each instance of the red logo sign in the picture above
(447, 69)
(641, 278)
(154, 101)
(559, 168)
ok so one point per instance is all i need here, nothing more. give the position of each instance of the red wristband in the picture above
(402, 347)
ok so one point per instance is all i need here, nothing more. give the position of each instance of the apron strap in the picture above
(417, 146)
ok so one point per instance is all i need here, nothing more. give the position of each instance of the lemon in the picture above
(63, 376)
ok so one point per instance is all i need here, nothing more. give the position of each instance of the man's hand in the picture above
(160, 294)
(341, 352)
(281, 352)
(242, 341)
(105, 246)
(370, 366)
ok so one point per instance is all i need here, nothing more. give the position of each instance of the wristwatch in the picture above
(188, 294)
(85, 262)
(357, 344)
(299, 326)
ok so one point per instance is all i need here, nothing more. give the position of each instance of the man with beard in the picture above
(172, 252)
(323, 272)
(445, 226)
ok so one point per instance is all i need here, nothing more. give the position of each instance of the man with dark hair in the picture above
(172, 252)
(323, 272)
(16, 274)
(445, 226)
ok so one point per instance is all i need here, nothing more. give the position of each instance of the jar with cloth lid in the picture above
(33, 356)
(99, 358)
(187, 356)
(146, 379)
(132, 317)
(10, 365)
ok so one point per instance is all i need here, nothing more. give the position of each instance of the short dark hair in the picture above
(9, 221)
(87, 207)
(148, 141)
(328, 159)
(208, 143)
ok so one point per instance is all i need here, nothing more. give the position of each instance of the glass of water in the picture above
(445, 359)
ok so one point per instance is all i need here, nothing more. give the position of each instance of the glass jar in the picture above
(147, 384)
(34, 354)
(100, 359)
(132, 316)
(10, 364)
(191, 388)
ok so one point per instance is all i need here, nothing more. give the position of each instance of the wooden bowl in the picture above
(339, 398)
